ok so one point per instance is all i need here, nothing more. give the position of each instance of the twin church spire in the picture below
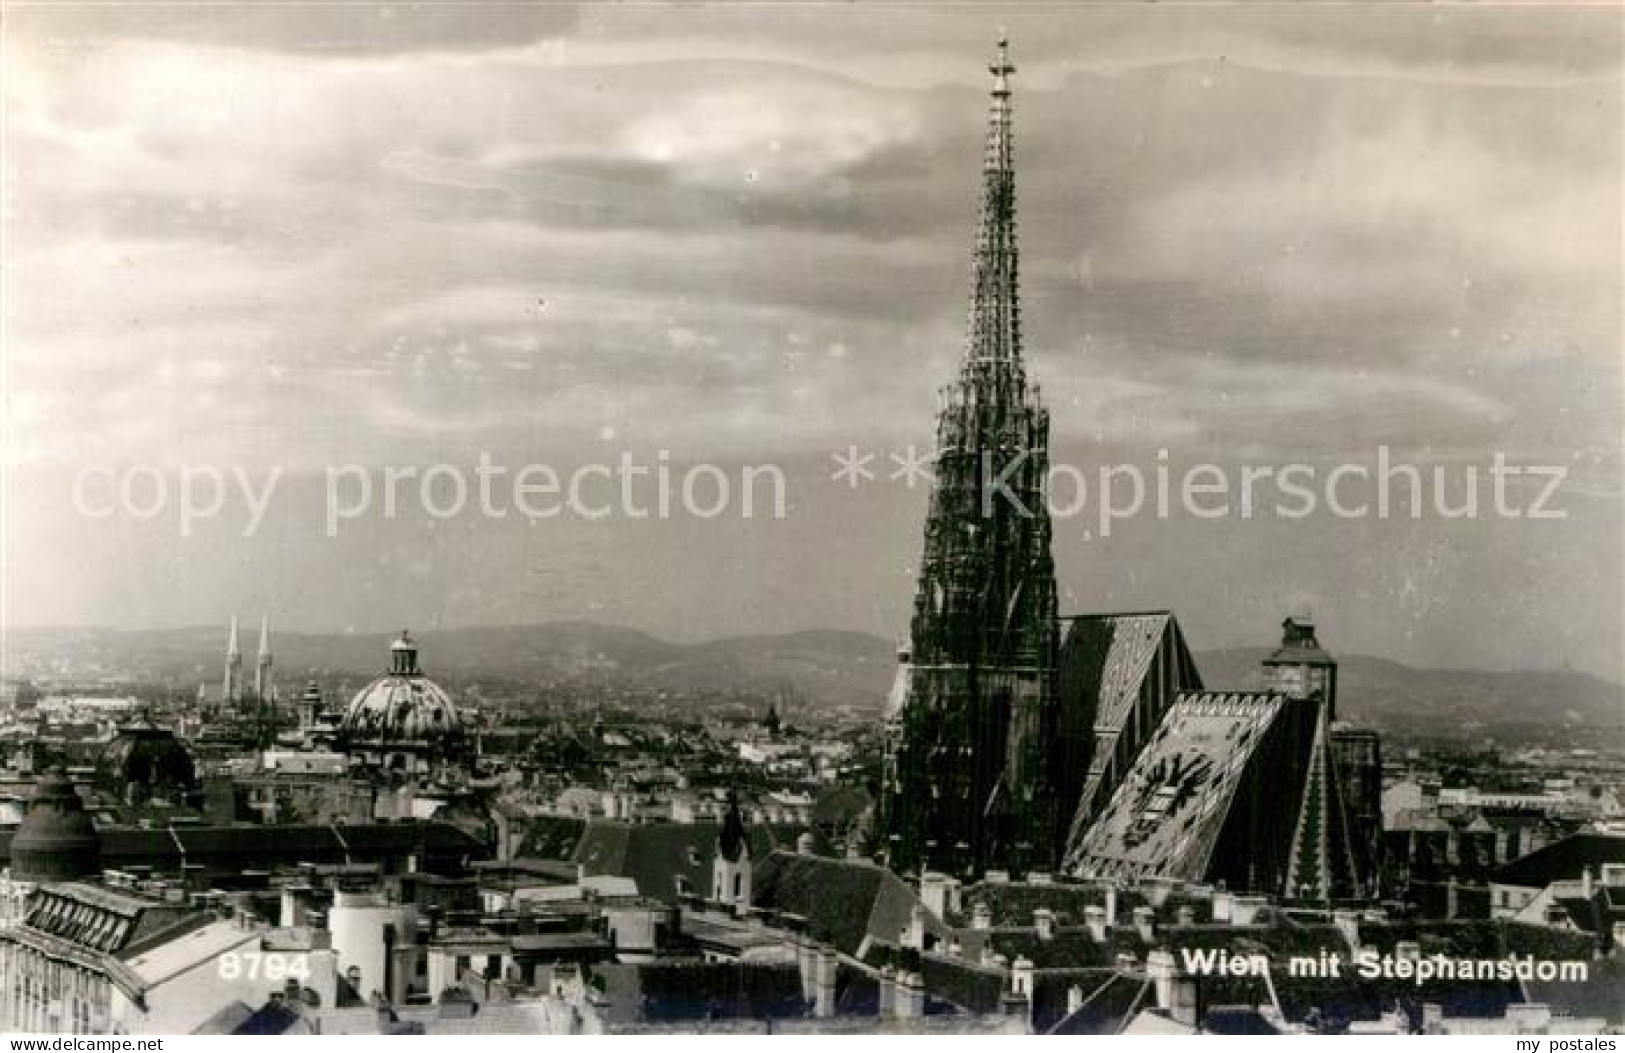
(233, 688)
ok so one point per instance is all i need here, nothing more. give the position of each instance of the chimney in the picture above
(1529, 1018)
(1246, 909)
(910, 995)
(824, 997)
(888, 992)
(914, 935)
(1074, 999)
(1111, 905)
(1222, 901)
(1585, 882)
(934, 892)
(295, 906)
(1185, 915)
(1176, 993)
(981, 917)
(807, 958)
(1348, 925)
(1145, 923)
(1044, 922)
(1095, 918)
(1021, 976)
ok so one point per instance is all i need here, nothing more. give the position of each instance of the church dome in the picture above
(404, 709)
(144, 761)
(56, 841)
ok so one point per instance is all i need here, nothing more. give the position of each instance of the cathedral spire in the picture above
(966, 781)
(232, 689)
(264, 689)
(993, 334)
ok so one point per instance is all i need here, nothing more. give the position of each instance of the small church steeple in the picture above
(731, 866)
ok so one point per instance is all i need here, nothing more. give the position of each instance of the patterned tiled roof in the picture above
(1168, 812)
(1116, 674)
(1131, 643)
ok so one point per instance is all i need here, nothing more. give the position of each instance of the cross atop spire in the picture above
(1000, 67)
(993, 333)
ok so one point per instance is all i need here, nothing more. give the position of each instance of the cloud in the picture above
(307, 28)
(322, 234)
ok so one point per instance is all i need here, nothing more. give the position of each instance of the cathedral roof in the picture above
(150, 756)
(1110, 654)
(1165, 817)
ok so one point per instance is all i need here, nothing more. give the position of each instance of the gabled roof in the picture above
(660, 855)
(1013, 903)
(175, 952)
(1112, 653)
(652, 992)
(226, 1021)
(244, 845)
(101, 919)
(275, 1018)
(842, 900)
(550, 836)
(1110, 1001)
(1562, 860)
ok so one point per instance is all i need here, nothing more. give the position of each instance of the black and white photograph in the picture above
(804, 518)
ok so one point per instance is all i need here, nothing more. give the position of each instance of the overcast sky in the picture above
(305, 235)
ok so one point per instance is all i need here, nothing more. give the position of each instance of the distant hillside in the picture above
(830, 667)
(843, 667)
(1389, 694)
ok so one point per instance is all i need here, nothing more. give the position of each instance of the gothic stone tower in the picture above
(1328, 860)
(966, 782)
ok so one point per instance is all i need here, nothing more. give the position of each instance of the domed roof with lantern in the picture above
(404, 708)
